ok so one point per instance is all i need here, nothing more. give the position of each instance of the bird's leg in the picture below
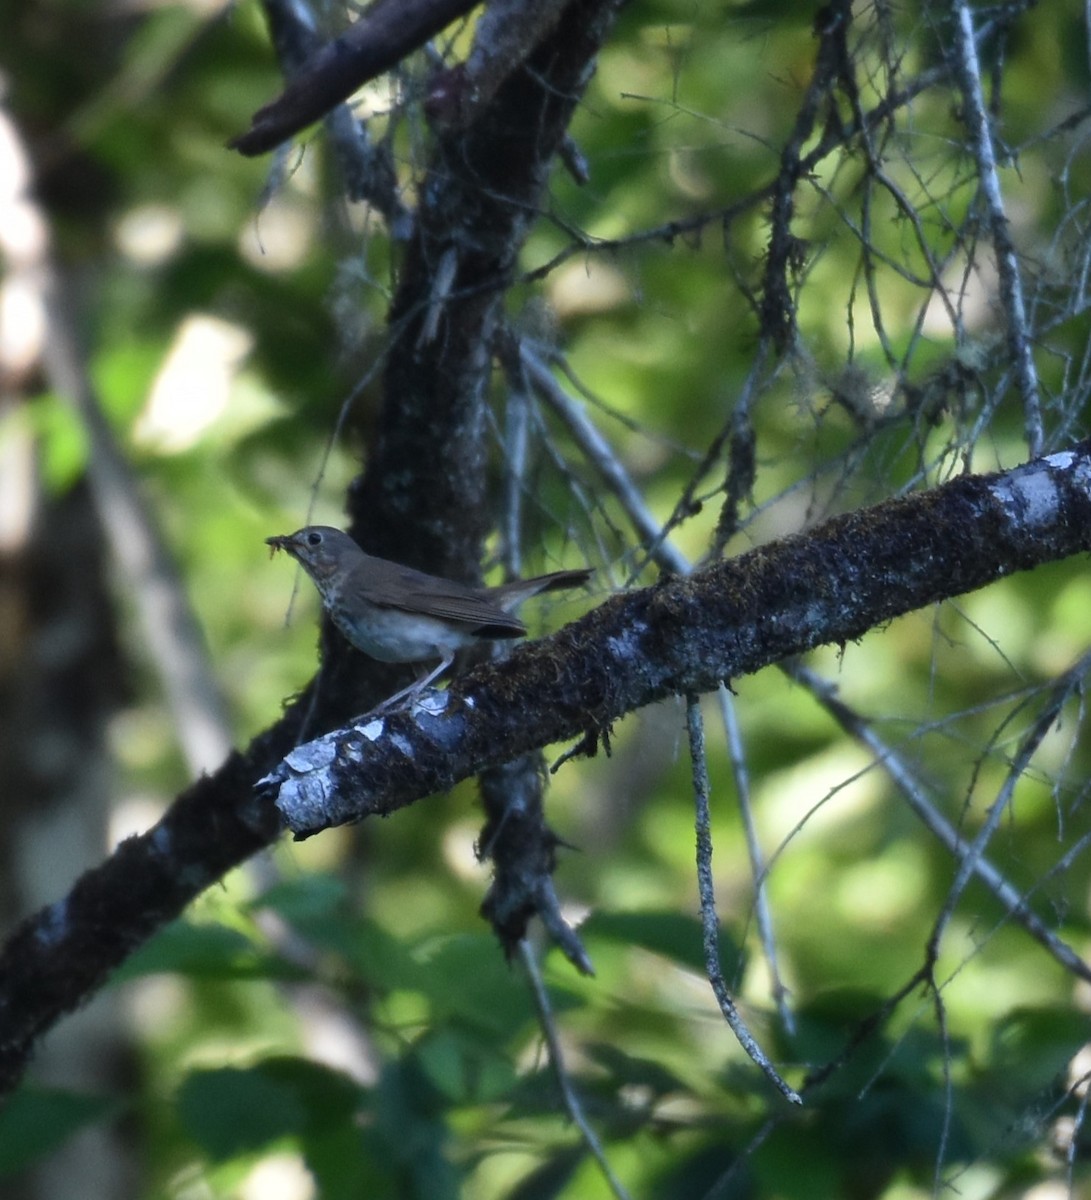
(418, 685)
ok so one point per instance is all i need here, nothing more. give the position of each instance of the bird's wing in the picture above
(391, 585)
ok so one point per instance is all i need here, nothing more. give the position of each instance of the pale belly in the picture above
(390, 635)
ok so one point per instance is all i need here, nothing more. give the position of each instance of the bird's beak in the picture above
(280, 542)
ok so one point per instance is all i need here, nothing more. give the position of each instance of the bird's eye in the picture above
(314, 538)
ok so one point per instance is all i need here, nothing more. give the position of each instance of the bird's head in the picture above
(321, 550)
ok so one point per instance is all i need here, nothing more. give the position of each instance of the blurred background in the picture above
(188, 350)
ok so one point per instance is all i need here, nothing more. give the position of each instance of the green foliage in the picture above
(231, 1111)
(62, 440)
(205, 952)
(670, 934)
(444, 1088)
(37, 1121)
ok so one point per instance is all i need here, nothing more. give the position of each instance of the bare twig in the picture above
(709, 921)
(763, 914)
(366, 167)
(975, 850)
(523, 850)
(599, 451)
(1011, 285)
(595, 447)
(572, 1103)
(1013, 901)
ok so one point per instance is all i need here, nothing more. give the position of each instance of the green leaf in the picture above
(317, 908)
(410, 1131)
(306, 901)
(345, 1166)
(671, 934)
(465, 976)
(237, 1110)
(1035, 1045)
(627, 1070)
(205, 952)
(466, 1070)
(36, 1121)
(62, 440)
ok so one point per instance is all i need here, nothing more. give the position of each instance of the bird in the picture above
(397, 614)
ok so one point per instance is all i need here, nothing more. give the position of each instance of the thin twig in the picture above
(376, 43)
(976, 849)
(710, 923)
(1013, 901)
(367, 168)
(762, 912)
(1011, 285)
(1075, 1139)
(722, 1186)
(572, 1102)
(516, 424)
(601, 454)
(948, 1084)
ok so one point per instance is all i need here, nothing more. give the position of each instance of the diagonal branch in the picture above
(367, 168)
(688, 634)
(380, 40)
(682, 635)
(1015, 902)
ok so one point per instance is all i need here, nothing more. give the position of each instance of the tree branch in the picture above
(1011, 284)
(1015, 902)
(367, 168)
(481, 192)
(688, 634)
(378, 41)
(682, 635)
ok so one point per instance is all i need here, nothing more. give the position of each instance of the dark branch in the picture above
(390, 30)
(58, 958)
(481, 193)
(367, 168)
(682, 635)
(482, 188)
(688, 634)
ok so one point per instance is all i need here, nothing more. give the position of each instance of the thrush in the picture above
(400, 615)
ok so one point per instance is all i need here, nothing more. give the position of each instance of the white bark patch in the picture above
(1029, 497)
